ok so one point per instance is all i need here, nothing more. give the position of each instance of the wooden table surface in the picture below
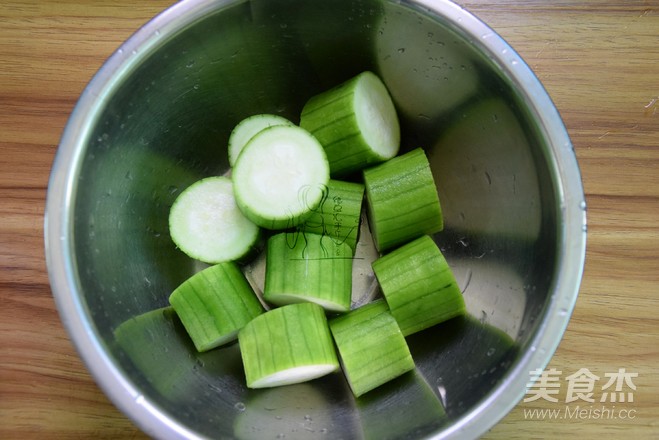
(599, 60)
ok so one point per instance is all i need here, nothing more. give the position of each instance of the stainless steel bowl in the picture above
(157, 116)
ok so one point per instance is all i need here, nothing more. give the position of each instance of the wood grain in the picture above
(599, 61)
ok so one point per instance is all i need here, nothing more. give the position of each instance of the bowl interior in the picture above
(162, 122)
